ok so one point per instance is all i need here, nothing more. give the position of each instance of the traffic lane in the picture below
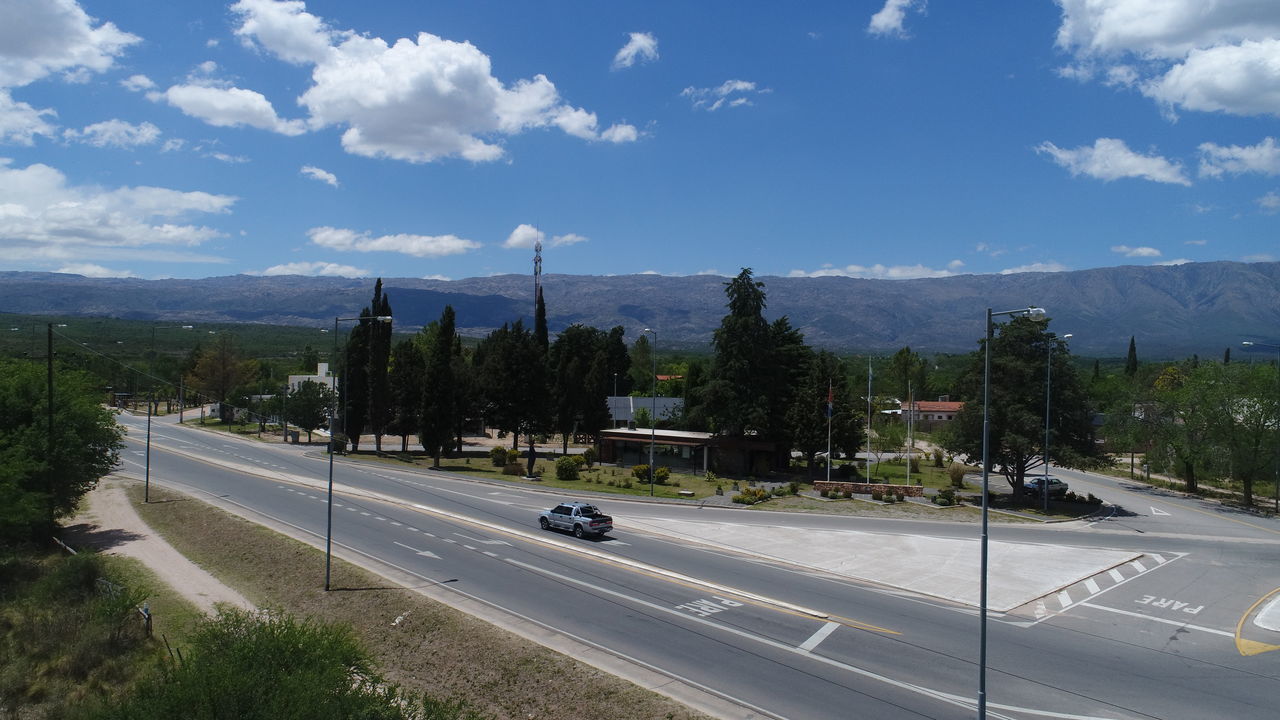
(1204, 597)
(1145, 508)
(631, 611)
(1097, 660)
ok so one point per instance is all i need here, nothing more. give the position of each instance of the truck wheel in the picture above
(543, 522)
(577, 531)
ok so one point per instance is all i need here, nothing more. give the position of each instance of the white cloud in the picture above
(1221, 56)
(416, 99)
(285, 29)
(524, 236)
(568, 239)
(416, 245)
(46, 222)
(1270, 203)
(115, 133)
(1176, 261)
(229, 107)
(228, 158)
(318, 269)
(20, 123)
(1195, 242)
(731, 93)
(955, 265)
(1237, 79)
(890, 18)
(42, 37)
(323, 176)
(1036, 267)
(172, 144)
(1260, 257)
(444, 278)
(1110, 159)
(641, 46)
(713, 271)
(95, 271)
(137, 83)
(878, 271)
(1263, 158)
(1135, 251)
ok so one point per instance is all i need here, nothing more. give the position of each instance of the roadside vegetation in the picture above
(418, 644)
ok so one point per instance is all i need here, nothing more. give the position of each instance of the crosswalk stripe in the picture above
(1115, 575)
(1138, 566)
(1093, 586)
(1064, 597)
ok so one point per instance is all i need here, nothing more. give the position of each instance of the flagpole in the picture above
(829, 402)
(868, 458)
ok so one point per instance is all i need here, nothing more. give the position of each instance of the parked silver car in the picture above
(1057, 488)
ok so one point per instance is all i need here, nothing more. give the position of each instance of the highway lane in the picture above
(935, 635)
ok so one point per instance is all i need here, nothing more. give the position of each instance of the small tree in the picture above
(567, 468)
(309, 405)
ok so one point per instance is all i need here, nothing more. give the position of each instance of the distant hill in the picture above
(1172, 310)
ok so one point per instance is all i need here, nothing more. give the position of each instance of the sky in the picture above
(868, 138)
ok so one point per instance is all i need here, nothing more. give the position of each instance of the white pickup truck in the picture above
(580, 518)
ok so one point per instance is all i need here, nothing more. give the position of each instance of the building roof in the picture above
(937, 406)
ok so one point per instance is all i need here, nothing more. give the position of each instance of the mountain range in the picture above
(1172, 311)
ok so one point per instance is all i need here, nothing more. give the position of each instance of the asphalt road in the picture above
(1169, 635)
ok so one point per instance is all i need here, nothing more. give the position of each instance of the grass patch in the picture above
(67, 640)
(902, 510)
(595, 479)
(432, 648)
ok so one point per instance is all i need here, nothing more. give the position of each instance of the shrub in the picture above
(825, 493)
(795, 487)
(956, 472)
(751, 496)
(589, 456)
(626, 483)
(498, 456)
(877, 495)
(890, 498)
(567, 468)
(1093, 500)
(719, 489)
(901, 497)
(945, 496)
(513, 469)
(640, 472)
(848, 494)
(915, 464)
(937, 457)
(513, 455)
(662, 474)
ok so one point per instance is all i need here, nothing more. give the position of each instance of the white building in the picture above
(322, 376)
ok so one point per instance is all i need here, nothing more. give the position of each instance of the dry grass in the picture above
(433, 649)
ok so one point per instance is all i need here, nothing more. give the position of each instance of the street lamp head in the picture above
(383, 318)
(1245, 342)
(1035, 313)
(649, 330)
(1068, 335)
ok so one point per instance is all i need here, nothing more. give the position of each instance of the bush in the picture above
(848, 494)
(589, 456)
(1093, 500)
(901, 497)
(890, 498)
(937, 457)
(751, 496)
(877, 495)
(640, 472)
(945, 497)
(498, 456)
(567, 468)
(662, 474)
(719, 489)
(825, 493)
(956, 472)
(626, 483)
(915, 464)
(795, 487)
(514, 468)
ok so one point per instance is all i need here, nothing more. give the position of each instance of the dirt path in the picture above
(109, 524)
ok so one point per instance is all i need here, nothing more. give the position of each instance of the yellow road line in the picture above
(1248, 647)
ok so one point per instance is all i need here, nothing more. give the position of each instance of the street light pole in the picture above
(328, 528)
(151, 372)
(1250, 343)
(986, 463)
(1048, 380)
(653, 412)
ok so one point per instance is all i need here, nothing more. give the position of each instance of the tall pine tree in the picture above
(438, 400)
(380, 403)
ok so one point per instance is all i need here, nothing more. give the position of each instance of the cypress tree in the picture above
(1131, 363)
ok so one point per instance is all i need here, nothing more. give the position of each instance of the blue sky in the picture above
(870, 138)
